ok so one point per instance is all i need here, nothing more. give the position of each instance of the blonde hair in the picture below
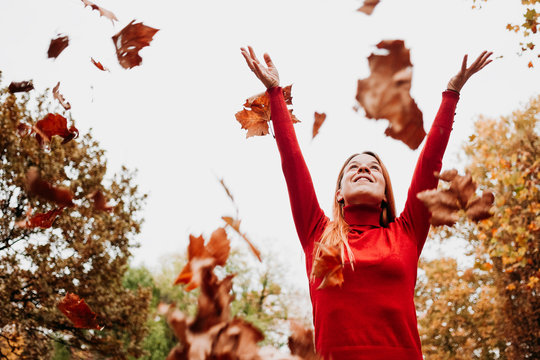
(337, 230)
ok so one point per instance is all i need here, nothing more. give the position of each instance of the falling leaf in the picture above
(98, 65)
(256, 113)
(319, 119)
(130, 40)
(42, 220)
(57, 46)
(235, 225)
(530, 64)
(443, 206)
(23, 129)
(22, 86)
(385, 93)
(61, 196)
(301, 342)
(368, 6)
(54, 124)
(108, 14)
(328, 265)
(78, 312)
(60, 97)
(100, 201)
(215, 252)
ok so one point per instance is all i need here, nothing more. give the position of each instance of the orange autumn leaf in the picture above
(102, 12)
(59, 195)
(385, 93)
(443, 206)
(130, 40)
(100, 201)
(60, 97)
(98, 65)
(328, 265)
(235, 225)
(301, 342)
(216, 252)
(22, 86)
(41, 220)
(256, 113)
(78, 312)
(319, 119)
(54, 124)
(368, 6)
(57, 46)
(530, 65)
(478, 209)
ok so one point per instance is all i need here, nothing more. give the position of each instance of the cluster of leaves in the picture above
(500, 296)
(69, 246)
(528, 28)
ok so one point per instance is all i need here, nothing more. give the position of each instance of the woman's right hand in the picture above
(268, 75)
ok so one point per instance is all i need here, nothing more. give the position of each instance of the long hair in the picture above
(337, 230)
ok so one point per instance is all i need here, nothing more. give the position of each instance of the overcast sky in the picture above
(172, 118)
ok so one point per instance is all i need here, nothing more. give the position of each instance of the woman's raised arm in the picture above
(306, 211)
(415, 216)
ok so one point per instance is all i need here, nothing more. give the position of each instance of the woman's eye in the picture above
(375, 167)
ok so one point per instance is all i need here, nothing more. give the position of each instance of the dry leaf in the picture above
(385, 93)
(328, 266)
(57, 46)
(478, 209)
(301, 342)
(443, 206)
(78, 312)
(54, 124)
(60, 97)
(108, 14)
(22, 86)
(256, 113)
(100, 201)
(368, 6)
(23, 129)
(98, 65)
(235, 225)
(319, 119)
(130, 40)
(41, 220)
(59, 195)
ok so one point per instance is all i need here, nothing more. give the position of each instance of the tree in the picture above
(85, 252)
(503, 156)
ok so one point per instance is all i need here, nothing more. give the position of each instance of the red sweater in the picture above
(372, 316)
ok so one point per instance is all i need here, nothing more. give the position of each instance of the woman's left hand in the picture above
(457, 82)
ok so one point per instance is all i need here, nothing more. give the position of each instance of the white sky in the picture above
(173, 117)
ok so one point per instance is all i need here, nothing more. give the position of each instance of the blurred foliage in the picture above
(85, 252)
(491, 311)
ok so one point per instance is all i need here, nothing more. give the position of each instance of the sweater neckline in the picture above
(360, 214)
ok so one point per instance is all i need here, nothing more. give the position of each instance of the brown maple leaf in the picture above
(98, 65)
(215, 252)
(103, 12)
(237, 340)
(54, 124)
(328, 265)
(385, 93)
(57, 46)
(78, 312)
(61, 196)
(445, 204)
(41, 220)
(319, 119)
(130, 40)
(368, 6)
(256, 113)
(100, 201)
(22, 86)
(301, 342)
(235, 225)
(60, 97)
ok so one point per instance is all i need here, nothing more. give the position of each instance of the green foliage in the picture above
(86, 252)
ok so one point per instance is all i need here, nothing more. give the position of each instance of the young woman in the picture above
(372, 314)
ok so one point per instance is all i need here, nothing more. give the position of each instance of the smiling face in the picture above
(362, 182)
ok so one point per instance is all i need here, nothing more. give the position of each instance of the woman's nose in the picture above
(363, 168)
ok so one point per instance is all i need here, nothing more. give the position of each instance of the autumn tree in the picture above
(492, 311)
(85, 252)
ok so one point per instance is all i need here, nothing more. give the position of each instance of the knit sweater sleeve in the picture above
(306, 211)
(415, 216)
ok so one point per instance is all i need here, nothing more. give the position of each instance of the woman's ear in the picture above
(339, 197)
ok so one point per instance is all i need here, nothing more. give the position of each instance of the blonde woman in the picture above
(372, 315)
